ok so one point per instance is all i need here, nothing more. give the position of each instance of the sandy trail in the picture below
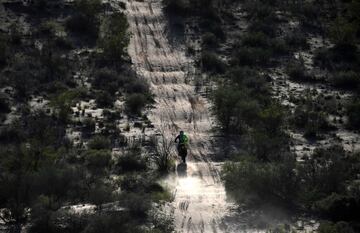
(200, 203)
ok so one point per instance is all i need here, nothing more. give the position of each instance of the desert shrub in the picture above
(337, 207)
(209, 40)
(297, 72)
(263, 26)
(225, 100)
(251, 56)
(79, 24)
(346, 79)
(131, 162)
(162, 222)
(256, 39)
(4, 49)
(43, 4)
(97, 159)
(323, 174)
(211, 23)
(89, 8)
(310, 119)
(50, 28)
(62, 104)
(86, 18)
(353, 112)
(89, 125)
(342, 32)
(212, 63)
(63, 43)
(4, 105)
(104, 99)
(163, 154)
(138, 204)
(106, 80)
(54, 183)
(42, 129)
(308, 14)
(16, 34)
(111, 223)
(115, 39)
(101, 193)
(268, 147)
(24, 76)
(135, 103)
(257, 183)
(99, 143)
(178, 7)
(272, 118)
(339, 227)
(339, 57)
(136, 85)
(255, 84)
(297, 40)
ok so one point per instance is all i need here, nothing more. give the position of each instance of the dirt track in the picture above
(200, 203)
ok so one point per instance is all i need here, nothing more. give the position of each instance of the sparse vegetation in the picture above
(212, 63)
(55, 155)
(135, 103)
(115, 38)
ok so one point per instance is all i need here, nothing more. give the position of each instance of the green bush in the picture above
(342, 32)
(209, 40)
(346, 79)
(251, 56)
(104, 99)
(225, 102)
(85, 20)
(4, 105)
(43, 4)
(297, 40)
(135, 103)
(311, 119)
(136, 85)
(297, 72)
(97, 159)
(263, 25)
(89, 8)
(115, 39)
(99, 143)
(138, 204)
(339, 227)
(337, 207)
(256, 39)
(131, 162)
(257, 183)
(339, 57)
(163, 155)
(111, 223)
(323, 174)
(178, 7)
(212, 63)
(80, 24)
(268, 147)
(101, 193)
(106, 80)
(4, 49)
(353, 112)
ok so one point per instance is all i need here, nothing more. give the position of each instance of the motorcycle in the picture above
(182, 150)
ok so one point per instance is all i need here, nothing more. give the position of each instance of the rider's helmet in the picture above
(181, 132)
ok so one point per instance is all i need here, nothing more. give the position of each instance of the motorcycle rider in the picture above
(183, 140)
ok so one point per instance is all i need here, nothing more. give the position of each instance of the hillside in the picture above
(93, 94)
